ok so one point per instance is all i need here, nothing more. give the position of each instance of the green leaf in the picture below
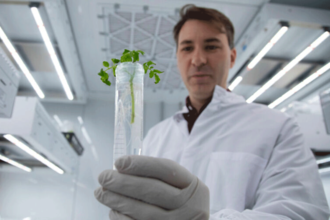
(145, 67)
(135, 56)
(157, 79)
(158, 71)
(126, 51)
(150, 63)
(102, 73)
(151, 74)
(105, 77)
(107, 82)
(114, 70)
(105, 64)
(140, 51)
(126, 58)
(115, 60)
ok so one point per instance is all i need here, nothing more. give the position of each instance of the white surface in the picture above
(33, 153)
(31, 122)
(78, 28)
(49, 197)
(21, 63)
(8, 85)
(87, 28)
(45, 195)
(62, 27)
(51, 51)
(314, 130)
(326, 185)
(310, 119)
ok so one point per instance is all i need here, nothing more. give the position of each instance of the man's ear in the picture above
(232, 57)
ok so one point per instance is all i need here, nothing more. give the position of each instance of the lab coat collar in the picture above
(220, 95)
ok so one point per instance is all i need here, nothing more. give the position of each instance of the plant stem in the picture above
(132, 95)
(133, 101)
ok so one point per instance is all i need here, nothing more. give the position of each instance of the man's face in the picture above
(204, 58)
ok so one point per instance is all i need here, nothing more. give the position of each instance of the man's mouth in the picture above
(202, 76)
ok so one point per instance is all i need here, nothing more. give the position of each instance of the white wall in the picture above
(51, 196)
(46, 195)
(42, 194)
(98, 121)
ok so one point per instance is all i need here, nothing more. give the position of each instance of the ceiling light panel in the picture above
(34, 154)
(289, 66)
(295, 73)
(21, 64)
(279, 34)
(14, 163)
(235, 83)
(51, 52)
(301, 85)
(268, 46)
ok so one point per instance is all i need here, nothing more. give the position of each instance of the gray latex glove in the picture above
(146, 188)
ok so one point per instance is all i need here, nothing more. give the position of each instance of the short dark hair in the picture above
(214, 17)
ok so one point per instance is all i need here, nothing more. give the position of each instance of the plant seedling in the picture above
(129, 56)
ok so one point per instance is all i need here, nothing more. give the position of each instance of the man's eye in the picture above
(211, 47)
(187, 49)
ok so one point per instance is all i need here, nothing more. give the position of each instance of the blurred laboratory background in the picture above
(57, 117)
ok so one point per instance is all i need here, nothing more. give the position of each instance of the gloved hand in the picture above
(146, 188)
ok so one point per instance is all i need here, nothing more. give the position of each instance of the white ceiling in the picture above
(131, 27)
(103, 29)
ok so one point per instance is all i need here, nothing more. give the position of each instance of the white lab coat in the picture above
(252, 158)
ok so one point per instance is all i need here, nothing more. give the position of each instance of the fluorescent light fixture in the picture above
(27, 218)
(21, 64)
(34, 154)
(324, 160)
(58, 120)
(84, 131)
(324, 170)
(80, 120)
(51, 52)
(14, 163)
(301, 85)
(288, 67)
(266, 48)
(235, 83)
(94, 153)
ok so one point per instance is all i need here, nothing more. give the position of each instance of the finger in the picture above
(130, 207)
(149, 190)
(163, 169)
(114, 215)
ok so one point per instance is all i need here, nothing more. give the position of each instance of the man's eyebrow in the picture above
(209, 40)
(186, 42)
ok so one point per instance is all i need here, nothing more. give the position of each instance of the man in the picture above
(233, 160)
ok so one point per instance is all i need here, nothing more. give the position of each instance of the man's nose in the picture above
(199, 58)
